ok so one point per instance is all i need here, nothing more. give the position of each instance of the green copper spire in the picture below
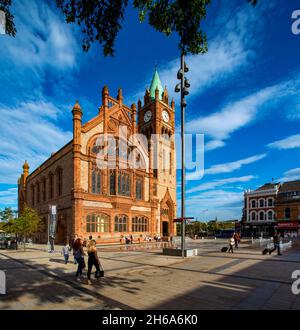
(156, 83)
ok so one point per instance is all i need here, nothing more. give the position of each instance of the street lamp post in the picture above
(183, 88)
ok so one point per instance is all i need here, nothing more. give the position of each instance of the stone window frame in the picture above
(139, 179)
(59, 181)
(38, 192)
(263, 217)
(93, 225)
(97, 175)
(121, 223)
(51, 185)
(140, 224)
(263, 202)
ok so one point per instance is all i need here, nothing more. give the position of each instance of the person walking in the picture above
(231, 244)
(73, 241)
(236, 240)
(93, 260)
(276, 241)
(79, 257)
(65, 252)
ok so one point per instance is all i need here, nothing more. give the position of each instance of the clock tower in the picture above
(156, 120)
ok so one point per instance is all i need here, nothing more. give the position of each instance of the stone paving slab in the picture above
(146, 279)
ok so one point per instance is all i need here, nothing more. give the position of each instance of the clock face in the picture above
(165, 116)
(147, 116)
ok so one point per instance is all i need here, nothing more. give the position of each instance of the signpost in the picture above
(52, 221)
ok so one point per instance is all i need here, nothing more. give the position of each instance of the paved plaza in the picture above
(142, 278)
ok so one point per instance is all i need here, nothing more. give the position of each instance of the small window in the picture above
(270, 202)
(270, 215)
(139, 189)
(261, 216)
(253, 204)
(253, 216)
(287, 213)
(261, 203)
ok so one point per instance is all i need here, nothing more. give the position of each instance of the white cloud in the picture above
(218, 203)
(232, 166)
(230, 43)
(8, 197)
(291, 175)
(218, 183)
(28, 134)
(290, 142)
(43, 38)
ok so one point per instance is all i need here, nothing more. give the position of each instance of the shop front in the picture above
(288, 229)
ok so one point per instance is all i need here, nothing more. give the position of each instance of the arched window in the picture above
(270, 202)
(38, 192)
(287, 213)
(253, 204)
(97, 223)
(121, 223)
(44, 189)
(32, 195)
(59, 183)
(253, 216)
(261, 215)
(261, 203)
(270, 215)
(139, 188)
(140, 224)
(51, 187)
(96, 182)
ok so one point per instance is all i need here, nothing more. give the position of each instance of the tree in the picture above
(7, 216)
(27, 224)
(100, 21)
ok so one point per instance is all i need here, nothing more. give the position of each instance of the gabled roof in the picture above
(268, 186)
(290, 186)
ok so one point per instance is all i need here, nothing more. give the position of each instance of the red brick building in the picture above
(259, 214)
(287, 207)
(135, 195)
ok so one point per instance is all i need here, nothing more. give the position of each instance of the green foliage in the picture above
(180, 16)
(100, 21)
(7, 217)
(10, 26)
(28, 223)
(7, 214)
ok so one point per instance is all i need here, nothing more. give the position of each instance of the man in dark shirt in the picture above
(276, 240)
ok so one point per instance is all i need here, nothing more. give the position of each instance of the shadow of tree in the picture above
(38, 284)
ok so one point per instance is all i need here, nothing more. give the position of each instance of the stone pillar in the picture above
(77, 193)
(105, 95)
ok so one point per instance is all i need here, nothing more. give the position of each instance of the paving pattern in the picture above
(142, 278)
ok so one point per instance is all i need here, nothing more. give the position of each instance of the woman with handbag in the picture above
(93, 260)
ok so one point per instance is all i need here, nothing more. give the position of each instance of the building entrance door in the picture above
(165, 228)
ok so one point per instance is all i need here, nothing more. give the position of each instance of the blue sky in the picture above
(244, 95)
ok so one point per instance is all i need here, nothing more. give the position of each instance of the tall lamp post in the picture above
(183, 88)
